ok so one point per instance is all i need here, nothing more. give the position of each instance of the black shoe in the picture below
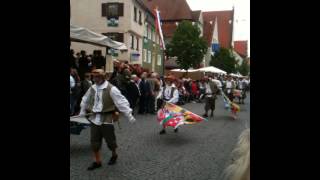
(211, 115)
(176, 130)
(113, 160)
(162, 131)
(205, 115)
(94, 165)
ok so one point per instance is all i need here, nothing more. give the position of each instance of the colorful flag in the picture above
(158, 27)
(174, 116)
(226, 103)
(233, 107)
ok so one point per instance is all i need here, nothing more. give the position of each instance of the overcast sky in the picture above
(241, 13)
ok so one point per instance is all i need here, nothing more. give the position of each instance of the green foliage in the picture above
(187, 45)
(224, 60)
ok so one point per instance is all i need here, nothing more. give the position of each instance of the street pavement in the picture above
(196, 152)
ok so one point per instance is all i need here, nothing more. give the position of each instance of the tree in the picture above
(187, 46)
(223, 59)
(244, 68)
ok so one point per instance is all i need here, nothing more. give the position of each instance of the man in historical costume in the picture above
(210, 96)
(242, 86)
(99, 104)
(170, 94)
(229, 88)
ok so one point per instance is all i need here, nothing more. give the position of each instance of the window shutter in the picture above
(120, 9)
(135, 14)
(104, 9)
(137, 43)
(140, 22)
(120, 37)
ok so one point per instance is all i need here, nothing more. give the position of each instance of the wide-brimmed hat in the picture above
(170, 78)
(98, 72)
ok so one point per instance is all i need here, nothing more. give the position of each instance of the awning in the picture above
(212, 69)
(80, 34)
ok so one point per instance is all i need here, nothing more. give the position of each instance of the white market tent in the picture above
(192, 73)
(236, 75)
(80, 34)
(212, 69)
(183, 70)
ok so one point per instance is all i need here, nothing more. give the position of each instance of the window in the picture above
(112, 10)
(135, 14)
(149, 56)
(146, 31)
(115, 36)
(153, 60)
(132, 41)
(104, 7)
(149, 33)
(157, 38)
(144, 55)
(140, 22)
(112, 36)
(152, 35)
(159, 60)
(137, 44)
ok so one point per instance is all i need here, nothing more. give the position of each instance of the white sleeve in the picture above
(121, 102)
(72, 82)
(175, 97)
(160, 93)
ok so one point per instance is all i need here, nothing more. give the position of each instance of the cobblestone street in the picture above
(200, 151)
